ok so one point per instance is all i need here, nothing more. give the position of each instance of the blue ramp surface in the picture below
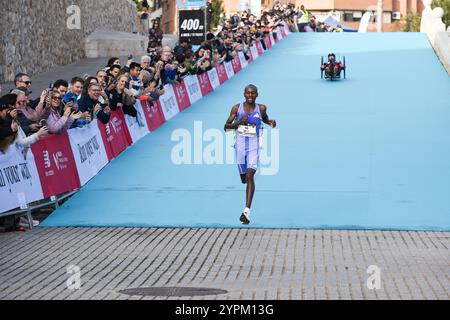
(368, 152)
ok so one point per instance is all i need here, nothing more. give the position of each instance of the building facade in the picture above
(348, 12)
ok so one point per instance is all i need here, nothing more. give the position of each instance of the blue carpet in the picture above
(368, 152)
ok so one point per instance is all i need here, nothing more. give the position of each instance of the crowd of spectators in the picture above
(65, 105)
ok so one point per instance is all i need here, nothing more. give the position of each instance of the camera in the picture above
(43, 123)
(103, 105)
(130, 57)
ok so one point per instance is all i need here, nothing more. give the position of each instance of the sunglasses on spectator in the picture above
(27, 82)
(56, 98)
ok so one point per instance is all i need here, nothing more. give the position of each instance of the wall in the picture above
(35, 37)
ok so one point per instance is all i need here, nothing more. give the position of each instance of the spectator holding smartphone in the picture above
(120, 97)
(55, 122)
(91, 103)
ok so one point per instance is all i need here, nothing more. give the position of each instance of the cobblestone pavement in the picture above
(247, 263)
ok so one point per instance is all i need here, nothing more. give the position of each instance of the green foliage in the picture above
(217, 9)
(412, 22)
(444, 4)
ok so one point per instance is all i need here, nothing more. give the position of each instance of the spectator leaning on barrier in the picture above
(7, 114)
(28, 126)
(33, 115)
(56, 122)
(76, 88)
(120, 97)
(135, 83)
(92, 104)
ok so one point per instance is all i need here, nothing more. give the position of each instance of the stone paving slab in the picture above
(248, 263)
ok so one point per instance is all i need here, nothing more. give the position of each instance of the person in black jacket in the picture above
(120, 97)
(91, 104)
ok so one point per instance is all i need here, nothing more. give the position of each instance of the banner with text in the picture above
(115, 134)
(56, 165)
(19, 179)
(169, 103)
(193, 88)
(88, 150)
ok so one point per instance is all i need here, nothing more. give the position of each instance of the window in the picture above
(357, 15)
(348, 16)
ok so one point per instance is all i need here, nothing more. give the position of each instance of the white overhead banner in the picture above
(193, 88)
(88, 151)
(19, 179)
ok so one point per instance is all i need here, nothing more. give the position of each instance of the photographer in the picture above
(91, 104)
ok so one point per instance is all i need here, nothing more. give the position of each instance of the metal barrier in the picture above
(53, 201)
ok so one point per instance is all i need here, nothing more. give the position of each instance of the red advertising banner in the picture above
(153, 114)
(115, 134)
(283, 32)
(268, 42)
(222, 73)
(182, 95)
(259, 47)
(56, 165)
(236, 63)
(205, 84)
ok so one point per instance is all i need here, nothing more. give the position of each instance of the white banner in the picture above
(193, 88)
(137, 126)
(19, 179)
(286, 28)
(272, 39)
(255, 54)
(169, 103)
(214, 78)
(244, 62)
(279, 35)
(88, 150)
(229, 69)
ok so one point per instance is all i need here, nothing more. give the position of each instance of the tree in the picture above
(217, 9)
(444, 4)
(412, 22)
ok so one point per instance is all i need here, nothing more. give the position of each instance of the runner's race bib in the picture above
(247, 131)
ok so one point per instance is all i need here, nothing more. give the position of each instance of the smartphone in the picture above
(103, 105)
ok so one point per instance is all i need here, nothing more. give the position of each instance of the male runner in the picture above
(248, 116)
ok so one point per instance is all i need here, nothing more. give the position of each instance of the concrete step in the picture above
(107, 43)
